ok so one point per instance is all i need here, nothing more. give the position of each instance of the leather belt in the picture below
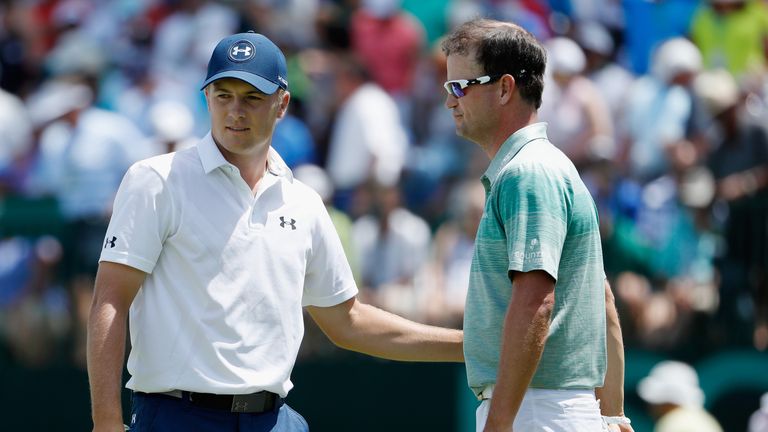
(260, 402)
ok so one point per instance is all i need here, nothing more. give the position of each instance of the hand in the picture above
(620, 428)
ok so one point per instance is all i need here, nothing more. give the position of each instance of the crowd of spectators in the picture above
(660, 104)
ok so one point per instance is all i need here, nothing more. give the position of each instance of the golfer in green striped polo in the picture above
(535, 340)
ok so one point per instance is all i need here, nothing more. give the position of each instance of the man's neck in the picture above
(254, 174)
(252, 167)
(511, 124)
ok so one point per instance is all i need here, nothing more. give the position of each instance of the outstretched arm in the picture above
(116, 287)
(611, 395)
(366, 329)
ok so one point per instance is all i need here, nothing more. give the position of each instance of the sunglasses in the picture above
(456, 88)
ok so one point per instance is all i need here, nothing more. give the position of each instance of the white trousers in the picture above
(552, 411)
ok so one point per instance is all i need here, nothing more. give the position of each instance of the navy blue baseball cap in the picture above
(250, 57)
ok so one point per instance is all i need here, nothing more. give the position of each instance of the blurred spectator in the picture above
(659, 112)
(76, 50)
(607, 12)
(463, 10)
(677, 292)
(611, 79)
(83, 153)
(672, 391)
(579, 121)
(184, 40)
(532, 15)
(84, 150)
(138, 93)
(732, 34)
(388, 41)
(290, 23)
(293, 141)
(393, 245)
(34, 311)
(172, 127)
(648, 24)
(739, 163)
(21, 47)
(15, 140)
(332, 24)
(367, 139)
(317, 69)
(451, 258)
(758, 422)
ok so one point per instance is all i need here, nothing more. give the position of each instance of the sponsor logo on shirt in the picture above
(109, 242)
(287, 222)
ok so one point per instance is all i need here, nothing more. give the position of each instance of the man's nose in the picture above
(237, 109)
(451, 101)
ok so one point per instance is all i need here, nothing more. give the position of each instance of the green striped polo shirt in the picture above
(538, 216)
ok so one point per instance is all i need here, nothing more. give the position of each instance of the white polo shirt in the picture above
(228, 273)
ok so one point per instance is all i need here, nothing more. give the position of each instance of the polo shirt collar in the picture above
(211, 158)
(511, 147)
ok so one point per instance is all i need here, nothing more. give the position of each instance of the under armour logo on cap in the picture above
(241, 51)
(249, 57)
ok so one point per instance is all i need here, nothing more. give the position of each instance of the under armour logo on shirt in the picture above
(110, 242)
(283, 222)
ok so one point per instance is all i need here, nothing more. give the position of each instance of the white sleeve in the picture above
(141, 220)
(328, 280)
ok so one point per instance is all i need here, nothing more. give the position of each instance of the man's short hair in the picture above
(503, 48)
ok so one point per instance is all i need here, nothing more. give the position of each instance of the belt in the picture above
(260, 402)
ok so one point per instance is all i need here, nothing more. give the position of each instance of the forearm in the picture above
(106, 350)
(373, 331)
(611, 395)
(382, 334)
(524, 337)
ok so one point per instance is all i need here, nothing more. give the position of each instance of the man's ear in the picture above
(507, 88)
(285, 98)
(207, 94)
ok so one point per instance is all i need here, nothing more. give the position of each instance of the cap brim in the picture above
(264, 85)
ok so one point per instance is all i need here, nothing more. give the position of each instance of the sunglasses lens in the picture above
(456, 90)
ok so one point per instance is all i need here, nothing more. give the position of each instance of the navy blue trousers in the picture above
(159, 413)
